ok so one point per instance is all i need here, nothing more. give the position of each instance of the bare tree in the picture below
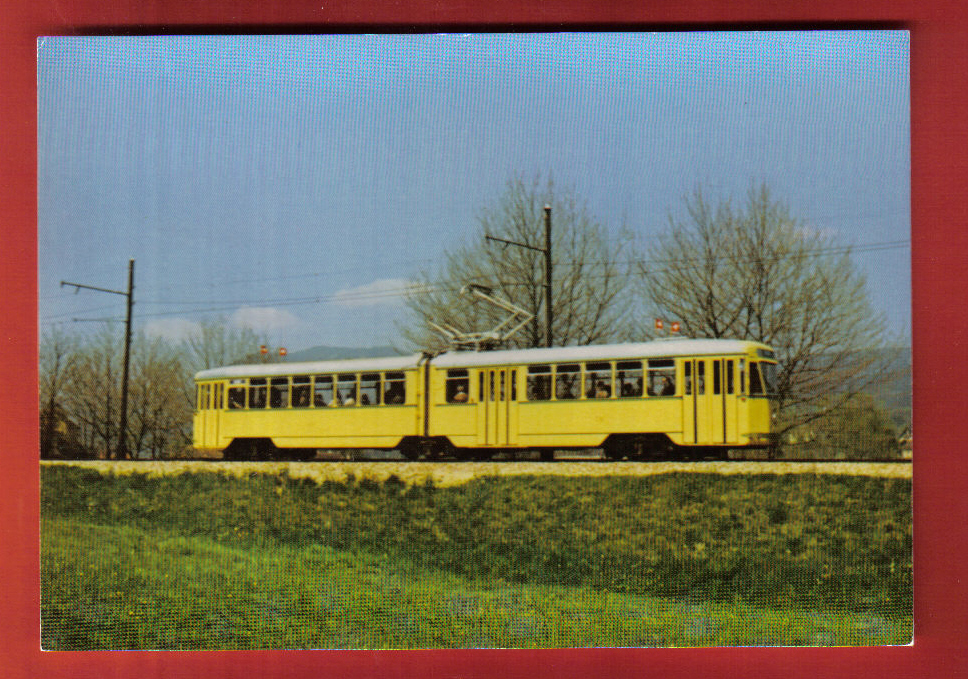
(93, 394)
(218, 343)
(160, 418)
(80, 387)
(758, 273)
(591, 273)
(58, 353)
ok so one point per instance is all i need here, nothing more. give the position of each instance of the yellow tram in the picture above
(670, 397)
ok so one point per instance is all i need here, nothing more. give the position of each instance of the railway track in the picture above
(456, 473)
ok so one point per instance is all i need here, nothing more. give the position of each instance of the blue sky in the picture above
(295, 183)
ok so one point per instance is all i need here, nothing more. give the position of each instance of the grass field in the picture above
(208, 560)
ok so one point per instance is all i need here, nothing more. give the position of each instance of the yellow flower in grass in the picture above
(458, 473)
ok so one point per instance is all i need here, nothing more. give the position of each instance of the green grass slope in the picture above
(210, 561)
(123, 588)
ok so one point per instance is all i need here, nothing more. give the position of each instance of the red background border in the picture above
(939, 58)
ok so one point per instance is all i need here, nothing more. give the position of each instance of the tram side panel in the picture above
(381, 424)
(588, 422)
(591, 402)
(314, 425)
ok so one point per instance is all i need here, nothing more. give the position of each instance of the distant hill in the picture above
(892, 386)
(325, 353)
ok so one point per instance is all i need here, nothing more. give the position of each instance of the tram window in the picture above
(756, 386)
(369, 389)
(567, 379)
(539, 382)
(598, 380)
(236, 398)
(769, 377)
(717, 379)
(457, 386)
(322, 390)
(346, 390)
(729, 377)
(395, 391)
(300, 391)
(742, 376)
(688, 371)
(514, 385)
(628, 378)
(662, 377)
(279, 392)
(480, 386)
(257, 392)
(700, 378)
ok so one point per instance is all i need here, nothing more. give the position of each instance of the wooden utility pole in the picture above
(547, 251)
(122, 450)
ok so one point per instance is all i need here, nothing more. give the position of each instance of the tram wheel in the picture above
(245, 450)
(409, 451)
(615, 450)
(296, 454)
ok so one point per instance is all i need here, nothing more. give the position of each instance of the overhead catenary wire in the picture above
(839, 249)
(648, 265)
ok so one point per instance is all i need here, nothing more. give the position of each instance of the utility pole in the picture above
(122, 450)
(549, 314)
(547, 251)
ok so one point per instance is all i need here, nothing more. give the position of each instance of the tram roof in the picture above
(308, 367)
(604, 352)
(463, 359)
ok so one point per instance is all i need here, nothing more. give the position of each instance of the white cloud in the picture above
(263, 319)
(381, 291)
(175, 329)
(810, 232)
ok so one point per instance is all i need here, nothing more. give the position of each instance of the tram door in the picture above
(499, 394)
(207, 414)
(705, 418)
(730, 401)
(212, 415)
(716, 400)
